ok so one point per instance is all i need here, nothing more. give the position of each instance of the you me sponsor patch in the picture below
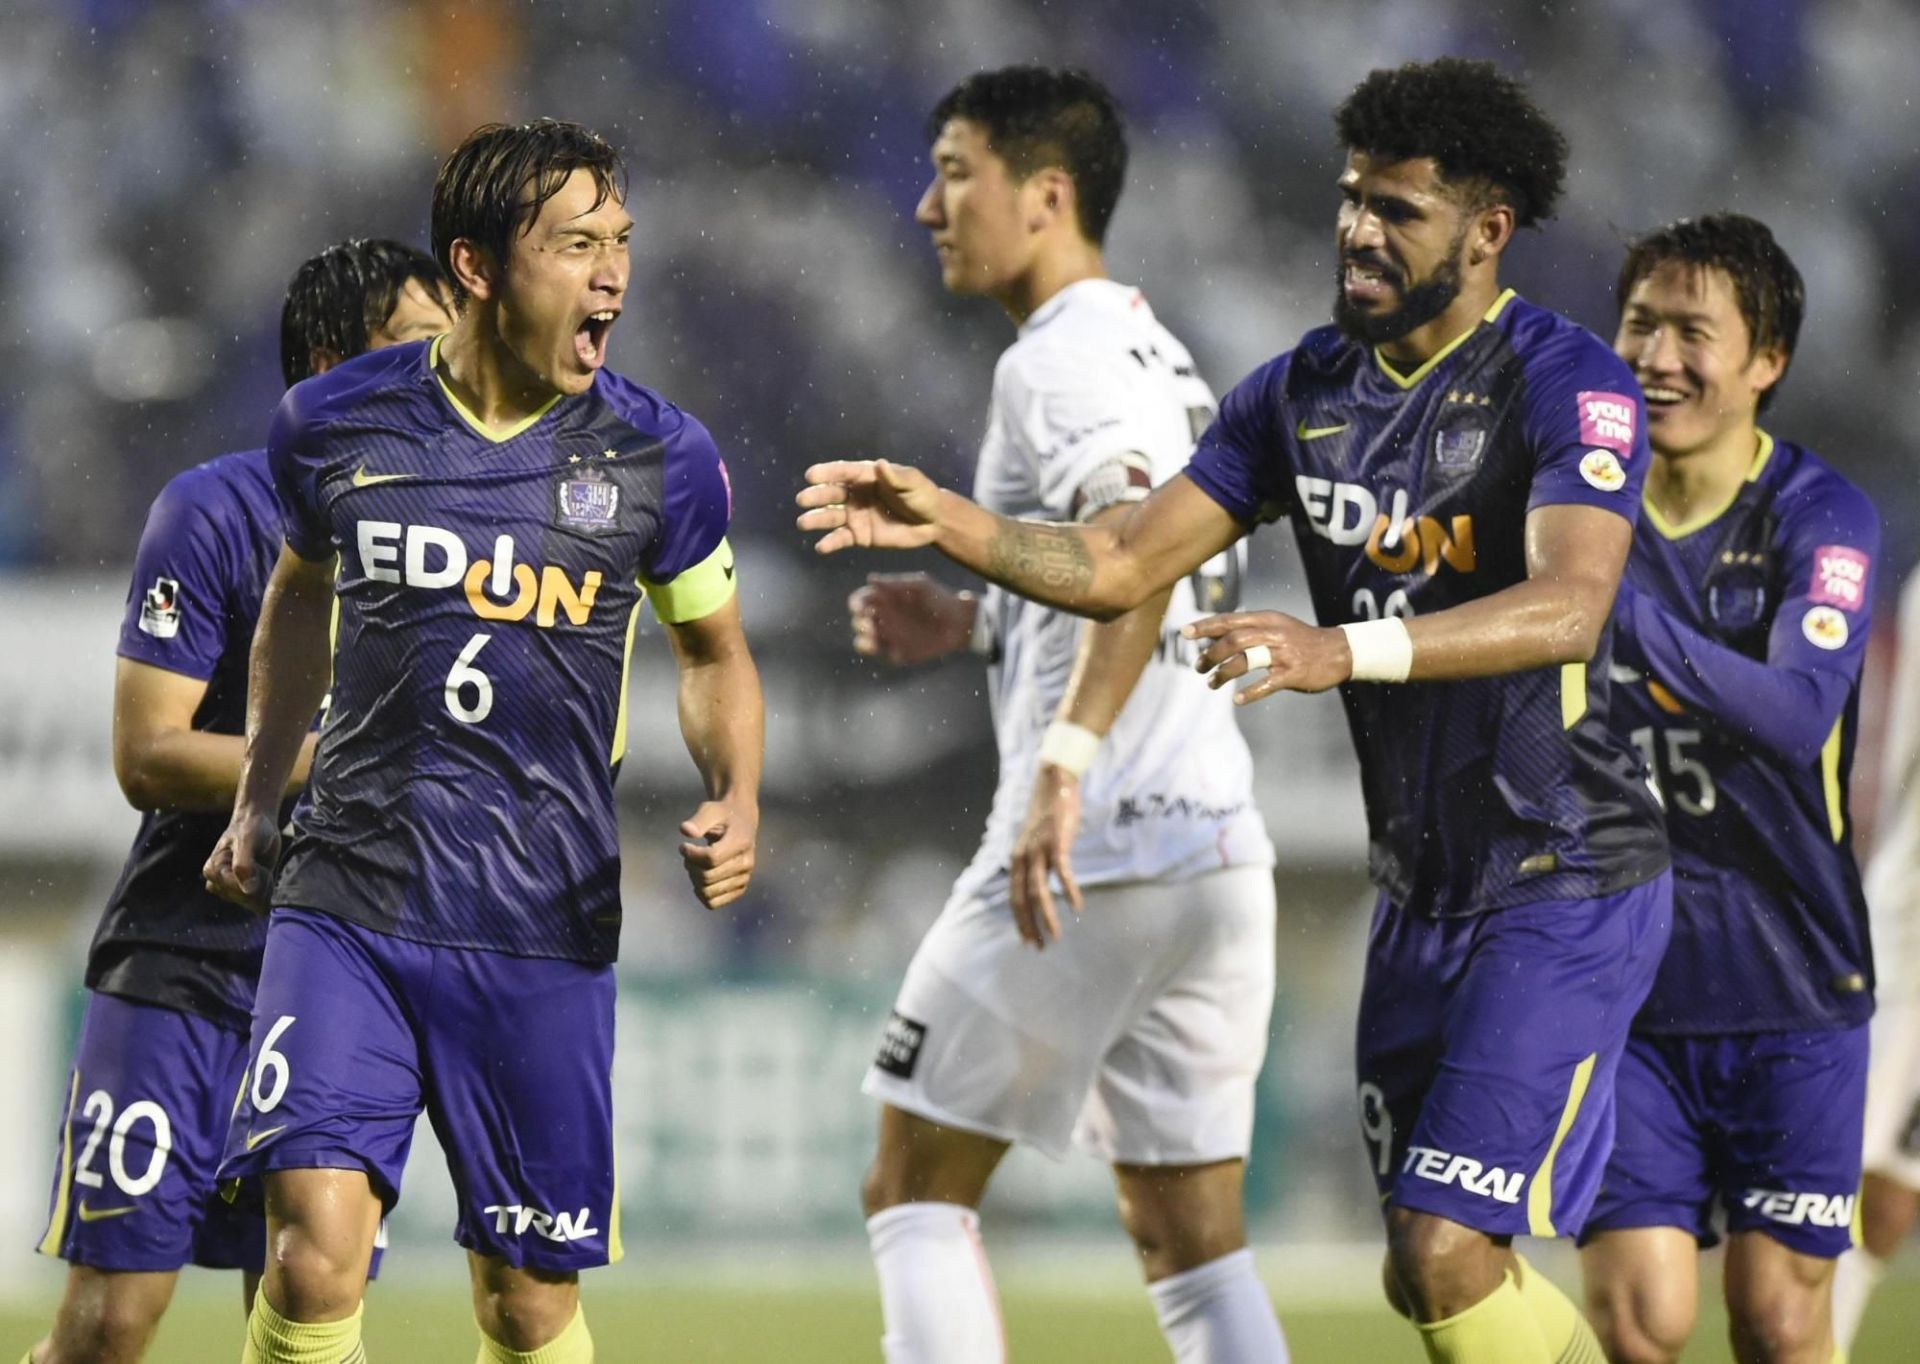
(1606, 419)
(1839, 577)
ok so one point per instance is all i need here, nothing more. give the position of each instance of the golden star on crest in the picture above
(573, 459)
(608, 454)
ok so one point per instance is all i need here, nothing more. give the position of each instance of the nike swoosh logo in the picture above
(101, 1214)
(255, 1138)
(1306, 432)
(728, 570)
(363, 479)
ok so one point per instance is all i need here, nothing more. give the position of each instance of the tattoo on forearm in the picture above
(1040, 560)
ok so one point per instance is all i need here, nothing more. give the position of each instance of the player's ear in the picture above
(1491, 231)
(1053, 198)
(473, 267)
(1766, 367)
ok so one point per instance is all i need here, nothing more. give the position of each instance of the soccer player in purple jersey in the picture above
(1740, 633)
(1462, 472)
(489, 513)
(171, 973)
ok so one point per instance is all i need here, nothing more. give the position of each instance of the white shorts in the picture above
(1138, 1036)
(1893, 1093)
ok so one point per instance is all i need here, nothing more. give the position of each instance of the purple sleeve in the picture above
(177, 606)
(1587, 428)
(1240, 461)
(296, 480)
(697, 504)
(1789, 702)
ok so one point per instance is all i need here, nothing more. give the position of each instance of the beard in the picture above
(1418, 305)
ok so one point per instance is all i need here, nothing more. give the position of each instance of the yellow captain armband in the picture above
(698, 591)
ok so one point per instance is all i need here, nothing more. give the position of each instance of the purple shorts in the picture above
(355, 1032)
(1767, 1126)
(148, 1102)
(1487, 1051)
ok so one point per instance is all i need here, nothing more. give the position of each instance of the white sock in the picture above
(1219, 1314)
(936, 1292)
(1854, 1279)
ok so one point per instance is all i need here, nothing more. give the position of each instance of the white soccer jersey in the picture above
(1893, 874)
(1092, 385)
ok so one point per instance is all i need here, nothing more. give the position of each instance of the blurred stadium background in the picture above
(168, 164)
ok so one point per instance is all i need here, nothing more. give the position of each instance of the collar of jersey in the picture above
(1412, 380)
(1685, 528)
(497, 437)
(1052, 308)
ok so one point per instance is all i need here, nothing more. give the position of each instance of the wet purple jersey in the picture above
(204, 559)
(1739, 639)
(1409, 494)
(487, 593)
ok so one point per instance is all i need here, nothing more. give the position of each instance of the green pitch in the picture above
(421, 1324)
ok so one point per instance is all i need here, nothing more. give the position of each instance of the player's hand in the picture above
(241, 867)
(871, 504)
(1303, 657)
(1043, 851)
(905, 618)
(719, 853)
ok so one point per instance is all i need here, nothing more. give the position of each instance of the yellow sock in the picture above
(571, 1346)
(1570, 1339)
(272, 1339)
(1499, 1329)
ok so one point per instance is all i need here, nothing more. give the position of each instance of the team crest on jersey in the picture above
(1825, 628)
(1601, 468)
(589, 501)
(160, 608)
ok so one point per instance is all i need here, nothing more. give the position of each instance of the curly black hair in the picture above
(1478, 124)
(341, 297)
(492, 188)
(1766, 284)
(1035, 117)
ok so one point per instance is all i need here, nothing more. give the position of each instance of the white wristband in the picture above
(1382, 649)
(1069, 747)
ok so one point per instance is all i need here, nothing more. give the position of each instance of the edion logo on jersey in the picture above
(1443, 1168)
(1839, 577)
(496, 588)
(1606, 419)
(512, 1219)
(1349, 514)
(1800, 1209)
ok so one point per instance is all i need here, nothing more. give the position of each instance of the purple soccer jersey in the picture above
(1741, 638)
(201, 569)
(1487, 1053)
(1409, 494)
(356, 1031)
(488, 587)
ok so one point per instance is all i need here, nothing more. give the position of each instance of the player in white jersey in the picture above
(1138, 1030)
(1890, 1189)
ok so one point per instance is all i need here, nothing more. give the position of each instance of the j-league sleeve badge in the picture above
(160, 608)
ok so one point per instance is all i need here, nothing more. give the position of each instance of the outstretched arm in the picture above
(1575, 555)
(286, 681)
(1100, 570)
(723, 719)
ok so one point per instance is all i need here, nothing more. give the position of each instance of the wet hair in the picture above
(1035, 117)
(1766, 284)
(338, 299)
(493, 186)
(1479, 126)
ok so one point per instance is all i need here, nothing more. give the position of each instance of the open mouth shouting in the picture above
(590, 338)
